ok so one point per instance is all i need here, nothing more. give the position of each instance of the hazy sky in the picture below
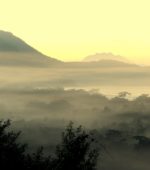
(73, 29)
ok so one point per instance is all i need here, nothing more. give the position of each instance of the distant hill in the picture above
(99, 64)
(113, 63)
(11, 43)
(15, 52)
(104, 56)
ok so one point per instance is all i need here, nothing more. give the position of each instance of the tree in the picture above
(37, 161)
(11, 152)
(76, 151)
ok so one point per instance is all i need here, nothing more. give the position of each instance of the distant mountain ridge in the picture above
(15, 52)
(11, 43)
(100, 64)
(104, 56)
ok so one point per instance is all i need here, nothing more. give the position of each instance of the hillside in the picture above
(15, 52)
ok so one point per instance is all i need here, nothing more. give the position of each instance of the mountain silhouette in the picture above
(16, 52)
(104, 56)
(100, 64)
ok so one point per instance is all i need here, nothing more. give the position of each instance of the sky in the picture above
(73, 29)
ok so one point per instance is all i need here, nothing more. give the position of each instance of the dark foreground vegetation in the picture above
(101, 149)
(119, 124)
(76, 151)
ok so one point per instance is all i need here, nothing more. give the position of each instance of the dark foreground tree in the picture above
(76, 152)
(11, 152)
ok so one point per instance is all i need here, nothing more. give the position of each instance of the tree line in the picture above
(75, 152)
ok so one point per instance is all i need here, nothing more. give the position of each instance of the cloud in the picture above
(42, 114)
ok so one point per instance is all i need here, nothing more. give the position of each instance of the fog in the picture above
(85, 107)
(74, 75)
(42, 101)
(110, 98)
(118, 123)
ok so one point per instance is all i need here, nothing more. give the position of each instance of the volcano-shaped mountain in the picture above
(104, 56)
(15, 52)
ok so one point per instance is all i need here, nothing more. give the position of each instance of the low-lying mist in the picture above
(120, 124)
(86, 107)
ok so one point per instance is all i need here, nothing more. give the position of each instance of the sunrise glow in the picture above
(72, 29)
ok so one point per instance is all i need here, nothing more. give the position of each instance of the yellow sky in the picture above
(73, 29)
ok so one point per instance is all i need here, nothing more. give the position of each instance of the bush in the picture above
(76, 152)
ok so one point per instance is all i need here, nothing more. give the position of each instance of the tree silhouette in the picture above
(11, 152)
(37, 161)
(75, 152)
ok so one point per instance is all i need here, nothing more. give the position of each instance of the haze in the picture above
(82, 61)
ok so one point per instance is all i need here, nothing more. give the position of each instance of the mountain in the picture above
(15, 52)
(104, 56)
(99, 64)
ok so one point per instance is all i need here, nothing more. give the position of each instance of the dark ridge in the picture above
(15, 52)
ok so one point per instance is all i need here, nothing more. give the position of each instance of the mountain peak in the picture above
(104, 56)
(11, 43)
(15, 52)
(5, 33)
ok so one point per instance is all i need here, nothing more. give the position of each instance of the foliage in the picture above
(74, 153)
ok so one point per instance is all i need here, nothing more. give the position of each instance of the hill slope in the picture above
(15, 52)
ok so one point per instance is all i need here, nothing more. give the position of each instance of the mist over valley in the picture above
(106, 94)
